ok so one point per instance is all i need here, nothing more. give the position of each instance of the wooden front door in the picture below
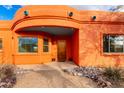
(61, 50)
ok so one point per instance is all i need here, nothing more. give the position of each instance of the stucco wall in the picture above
(75, 47)
(91, 45)
(6, 51)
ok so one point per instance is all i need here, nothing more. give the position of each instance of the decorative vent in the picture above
(26, 13)
(93, 18)
(70, 14)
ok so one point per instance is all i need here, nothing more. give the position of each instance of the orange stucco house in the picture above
(40, 34)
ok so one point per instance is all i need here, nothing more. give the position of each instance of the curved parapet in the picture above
(29, 16)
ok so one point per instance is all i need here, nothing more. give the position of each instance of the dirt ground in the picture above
(51, 76)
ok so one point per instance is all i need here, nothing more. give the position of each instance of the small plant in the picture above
(112, 74)
(7, 76)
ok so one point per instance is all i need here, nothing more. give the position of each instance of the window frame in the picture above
(110, 53)
(46, 45)
(30, 53)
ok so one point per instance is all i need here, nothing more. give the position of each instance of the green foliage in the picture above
(112, 74)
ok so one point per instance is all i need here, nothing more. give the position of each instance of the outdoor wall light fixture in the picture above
(70, 14)
(93, 17)
(26, 13)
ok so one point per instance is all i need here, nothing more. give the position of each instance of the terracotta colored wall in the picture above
(6, 36)
(75, 46)
(44, 16)
(32, 58)
(91, 45)
(6, 52)
(40, 57)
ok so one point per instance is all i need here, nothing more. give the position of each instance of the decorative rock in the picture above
(79, 74)
(91, 72)
(2, 83)
(74, 74)
(108, 84)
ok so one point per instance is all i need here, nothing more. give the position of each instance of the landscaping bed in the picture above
(104, 77)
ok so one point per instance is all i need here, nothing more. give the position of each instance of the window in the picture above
(45, 45)
(28, 44)
(1, 44)
(113, 43)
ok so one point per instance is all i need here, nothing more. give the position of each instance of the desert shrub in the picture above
(112, 73)
(7, 75)
(6, 70)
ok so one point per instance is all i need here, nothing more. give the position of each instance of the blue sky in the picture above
(7, 12)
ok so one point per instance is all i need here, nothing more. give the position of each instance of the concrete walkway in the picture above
(51, 76)
(56, 65)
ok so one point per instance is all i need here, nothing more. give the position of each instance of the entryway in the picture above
(61, 50)
(47, 44)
